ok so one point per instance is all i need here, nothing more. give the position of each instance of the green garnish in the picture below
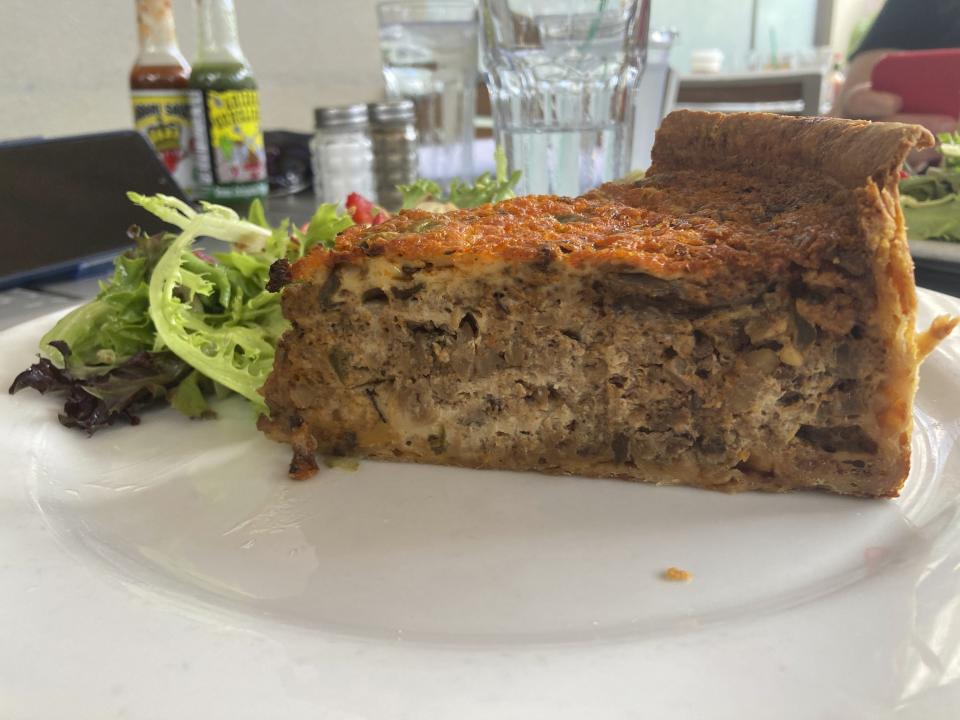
(175, 323)
(931, 202)
(486, 188)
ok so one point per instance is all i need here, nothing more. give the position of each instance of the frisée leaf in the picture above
(174, 323)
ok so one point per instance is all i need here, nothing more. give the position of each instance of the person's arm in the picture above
(900, 25)
(858, 100)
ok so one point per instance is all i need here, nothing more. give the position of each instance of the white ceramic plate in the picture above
(173, 571)
(936, 250)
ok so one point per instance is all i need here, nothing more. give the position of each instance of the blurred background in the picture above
(377, 105)
(65, 64)
(371, 107)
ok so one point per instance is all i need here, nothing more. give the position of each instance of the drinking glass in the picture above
(430, 55)
(562, 76)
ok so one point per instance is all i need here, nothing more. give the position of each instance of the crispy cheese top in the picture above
(710, 217)
(698, 236)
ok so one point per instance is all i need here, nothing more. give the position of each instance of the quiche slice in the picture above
(741, 318)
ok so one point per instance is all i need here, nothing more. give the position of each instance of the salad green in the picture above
(486, 188)
(931, 202)
(173, 322)
(178, 325)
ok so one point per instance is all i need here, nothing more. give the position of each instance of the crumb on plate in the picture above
(675, 574)
(341, 463)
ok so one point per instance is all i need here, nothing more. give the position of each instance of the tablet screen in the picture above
(63, 201)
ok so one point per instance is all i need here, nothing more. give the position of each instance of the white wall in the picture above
(704, 24)
(725, 25)
(64, 64)
(846, 15)
(792, 23)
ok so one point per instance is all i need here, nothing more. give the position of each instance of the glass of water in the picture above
(430, 54)
(562, 77)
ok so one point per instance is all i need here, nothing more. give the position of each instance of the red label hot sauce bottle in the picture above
(158, 90)
(231, 163)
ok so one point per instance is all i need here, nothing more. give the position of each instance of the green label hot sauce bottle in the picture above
(229, 159)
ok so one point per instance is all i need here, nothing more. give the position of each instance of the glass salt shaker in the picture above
(342, 154)
(394, 133)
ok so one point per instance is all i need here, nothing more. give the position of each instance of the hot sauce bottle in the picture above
(158, 90)
(225, 107)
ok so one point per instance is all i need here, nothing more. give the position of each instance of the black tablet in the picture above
(63, 204)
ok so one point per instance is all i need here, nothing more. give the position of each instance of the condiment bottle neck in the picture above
(217, 38)
(157, 34)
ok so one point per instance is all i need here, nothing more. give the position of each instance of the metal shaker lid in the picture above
(340, 115)
(398, 110)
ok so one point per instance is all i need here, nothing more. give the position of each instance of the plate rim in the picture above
(270, 633)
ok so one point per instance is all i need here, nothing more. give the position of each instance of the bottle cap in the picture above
(400, 110)
(341, 115)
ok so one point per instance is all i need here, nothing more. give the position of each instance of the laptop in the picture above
(63, 206)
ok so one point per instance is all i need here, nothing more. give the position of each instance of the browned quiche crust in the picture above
(741, 318)
(838, 185)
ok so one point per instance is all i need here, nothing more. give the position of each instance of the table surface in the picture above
(25, 303)
(752, 75)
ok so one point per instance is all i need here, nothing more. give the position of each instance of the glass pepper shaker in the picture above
(342, 154)
(394, 133)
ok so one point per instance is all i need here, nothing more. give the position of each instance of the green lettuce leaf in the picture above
(933, 184)
(327, 222)
(200, 312)
(932, 219)
(219, 318)
(486, 188)
(950, 149)
(931, 201)
(114, 326)
(188, 397)
(420, 191)
(173, 323)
